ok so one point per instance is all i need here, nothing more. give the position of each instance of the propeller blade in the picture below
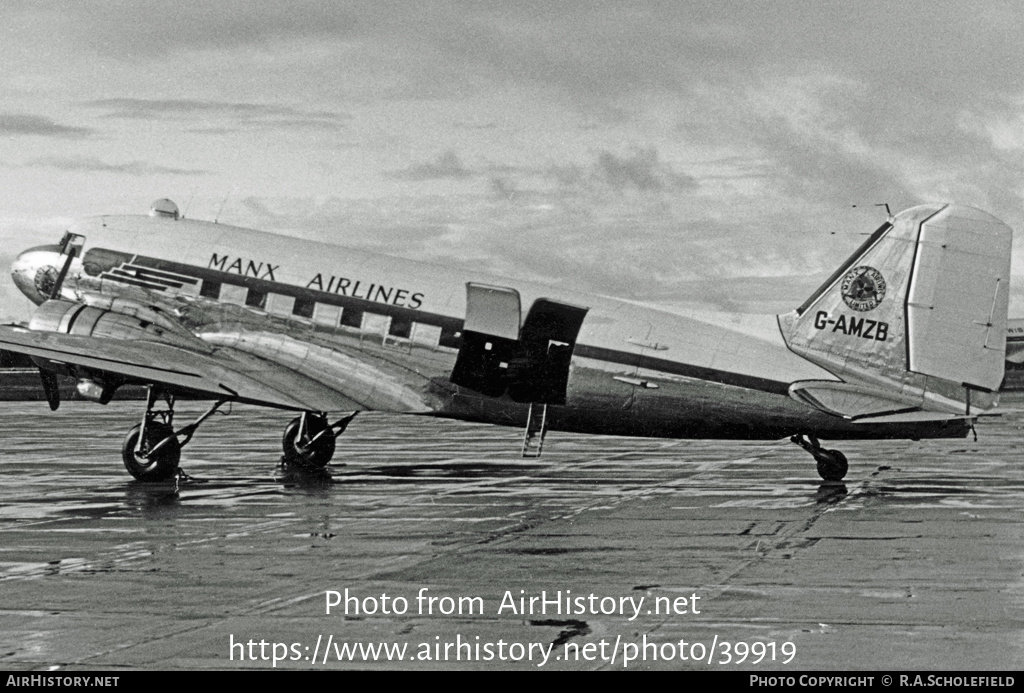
(51, 388)
(60, 279)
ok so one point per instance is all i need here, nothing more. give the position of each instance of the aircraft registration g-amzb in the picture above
(905, 340)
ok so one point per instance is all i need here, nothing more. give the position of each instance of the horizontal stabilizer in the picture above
(850, 401)
(865, 405)
(918, 416)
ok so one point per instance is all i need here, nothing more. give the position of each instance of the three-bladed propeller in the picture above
(50, 386)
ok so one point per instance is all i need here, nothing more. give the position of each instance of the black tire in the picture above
(320, 455)
(832, 465)
(159, 467)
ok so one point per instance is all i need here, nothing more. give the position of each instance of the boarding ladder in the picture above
(536, 427)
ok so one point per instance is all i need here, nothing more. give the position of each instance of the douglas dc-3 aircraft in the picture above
(905, 340)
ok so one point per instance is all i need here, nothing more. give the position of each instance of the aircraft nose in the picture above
(35, 272)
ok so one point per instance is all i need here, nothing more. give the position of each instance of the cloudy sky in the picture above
(718, 154)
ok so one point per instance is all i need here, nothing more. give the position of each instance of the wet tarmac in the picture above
(916, 561)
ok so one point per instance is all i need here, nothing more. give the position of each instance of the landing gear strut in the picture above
(832, 464)
(151, 450)
(309, 439)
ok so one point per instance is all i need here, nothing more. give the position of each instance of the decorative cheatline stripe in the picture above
(148, 278)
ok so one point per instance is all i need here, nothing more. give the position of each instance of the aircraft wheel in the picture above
(832, 465)
(159, 467)
(320, 454)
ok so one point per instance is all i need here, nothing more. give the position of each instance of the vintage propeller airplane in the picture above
(905, 340)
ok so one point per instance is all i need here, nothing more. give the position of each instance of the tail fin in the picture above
(916, 317)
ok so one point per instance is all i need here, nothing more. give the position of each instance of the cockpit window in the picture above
(72, 244)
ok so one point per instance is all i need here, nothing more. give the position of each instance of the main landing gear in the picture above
(152, 449)
(309, 439)
(832, 464)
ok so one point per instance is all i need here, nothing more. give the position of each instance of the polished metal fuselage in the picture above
(354, 330)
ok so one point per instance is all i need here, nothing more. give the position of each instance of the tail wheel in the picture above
(832, 465)
(158, 466)
(317, 455)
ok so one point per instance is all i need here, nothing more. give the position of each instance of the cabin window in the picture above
(210, 289)
(352, 317)
(428, 335)
(231, 293)
(256, 299)
(450, 338)
(303, 307)
(279, 304)
(400, 327)
(374, 323)
(326, 314)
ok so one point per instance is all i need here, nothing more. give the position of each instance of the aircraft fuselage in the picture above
(358, 330)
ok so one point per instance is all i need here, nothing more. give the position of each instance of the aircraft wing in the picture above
(223, 372)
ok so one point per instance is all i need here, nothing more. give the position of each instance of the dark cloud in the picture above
(445, 166)
(602, 49)
(567, 175)
(21, 124)
(813, 140)
(240, 112)
(607, 176)
(130, 168)
(641, 171)
(502, 188)
(151, 28)
(818, 168)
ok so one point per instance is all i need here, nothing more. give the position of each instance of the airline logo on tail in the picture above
(863, 288)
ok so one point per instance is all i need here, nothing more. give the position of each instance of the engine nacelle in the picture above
(96, 390)
(90, 321)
